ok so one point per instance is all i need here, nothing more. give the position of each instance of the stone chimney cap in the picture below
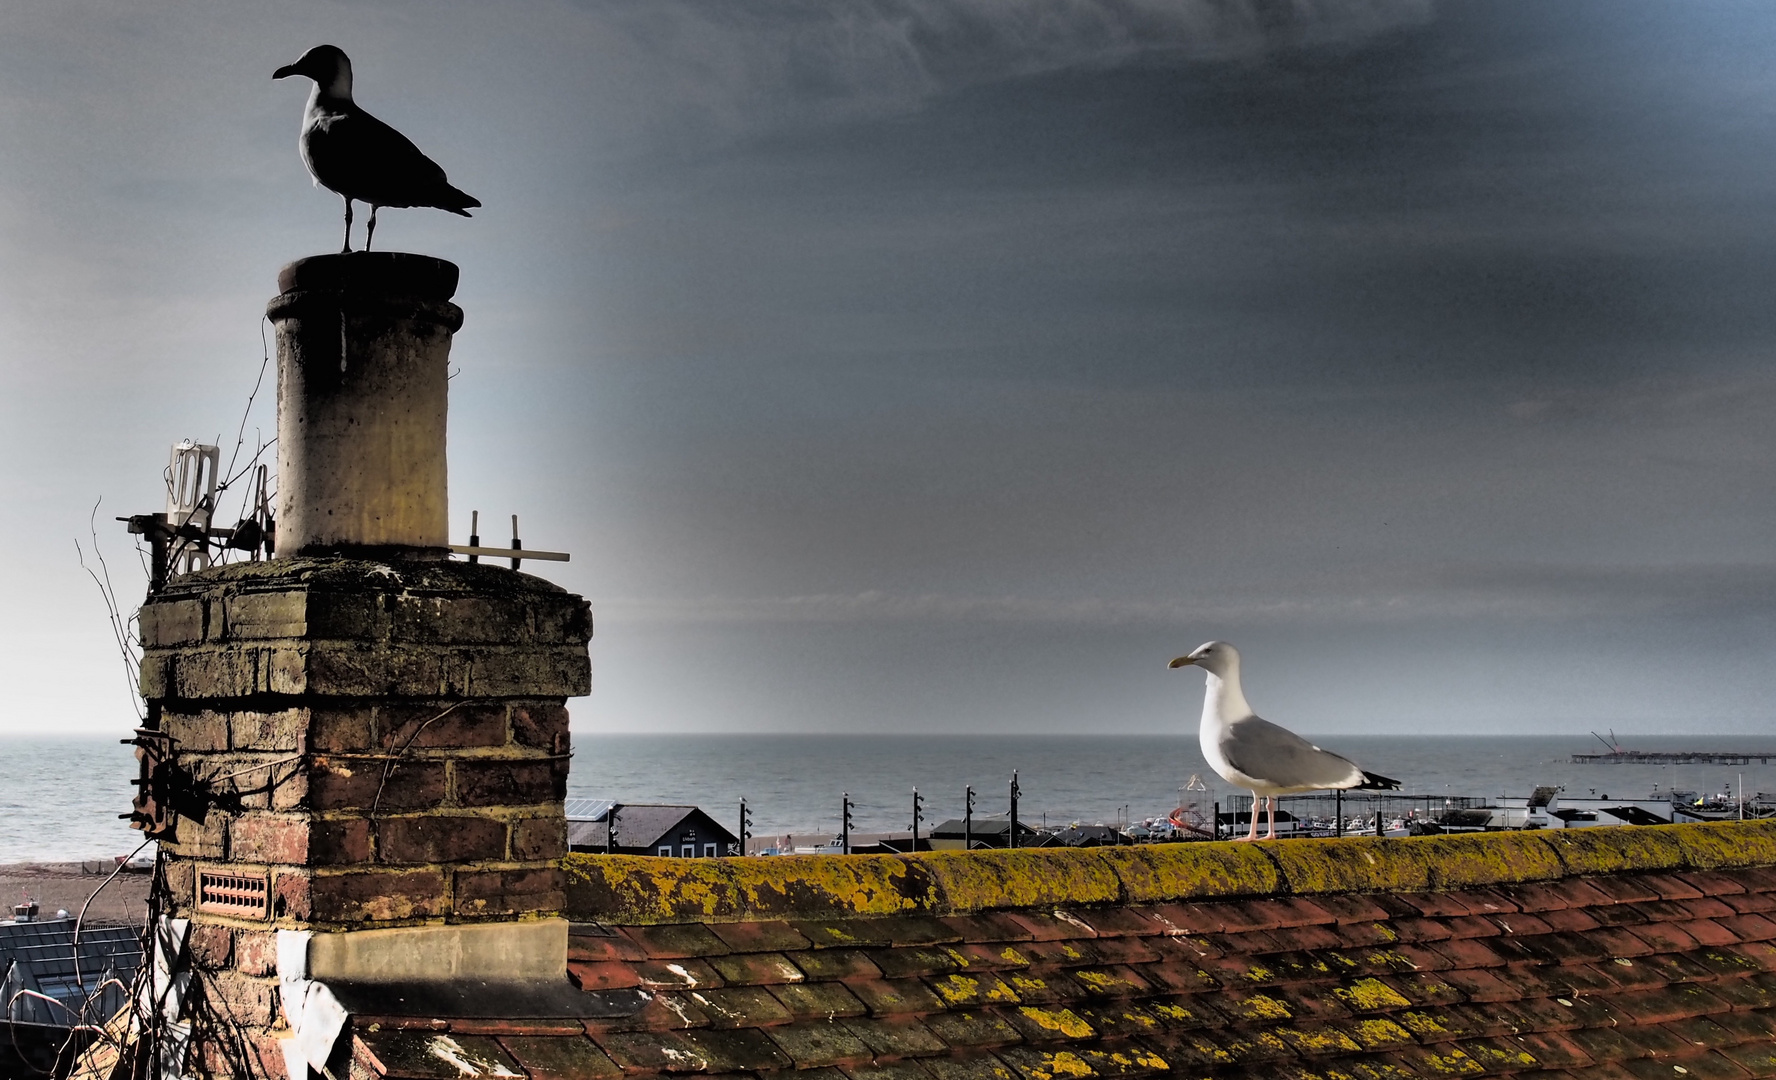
(390, 273)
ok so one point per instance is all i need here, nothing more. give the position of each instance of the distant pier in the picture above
(1672, 757)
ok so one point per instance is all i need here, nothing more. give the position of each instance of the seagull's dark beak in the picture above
(285, 72)
(1182, 661)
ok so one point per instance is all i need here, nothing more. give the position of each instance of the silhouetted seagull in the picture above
(357, 156)
(1254, 753)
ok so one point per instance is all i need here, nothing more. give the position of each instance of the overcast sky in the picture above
(938, 365)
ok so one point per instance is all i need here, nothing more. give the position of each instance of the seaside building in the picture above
(658, 829)
(362, 758)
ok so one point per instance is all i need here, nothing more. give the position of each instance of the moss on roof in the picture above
(643, 890)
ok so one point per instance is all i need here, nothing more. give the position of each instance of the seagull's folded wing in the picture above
(1279, 757)
(358, 155)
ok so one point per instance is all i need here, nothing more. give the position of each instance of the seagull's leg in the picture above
(1252, 834)
(348, 225)
(371, 231)
(1270, 802)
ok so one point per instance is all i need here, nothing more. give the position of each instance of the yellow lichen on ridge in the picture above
(1352, 864)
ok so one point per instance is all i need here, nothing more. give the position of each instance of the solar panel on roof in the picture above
(588, 809)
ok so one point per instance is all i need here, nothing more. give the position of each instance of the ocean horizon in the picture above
(60, 797)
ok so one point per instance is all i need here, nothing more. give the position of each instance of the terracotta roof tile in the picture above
(675, 941)
(560, 1059)
(1056, 926)
(893, 1070)
(594, 943)
(1707, 907)
(754, 969)
(984, 1067)
(841, 965)
(972, 1029)
(896, 997)
(823, 999)
(896, 1038)
(772, 935)
(742, 1006)
(816, 1043)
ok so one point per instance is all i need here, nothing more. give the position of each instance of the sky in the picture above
(935, 366)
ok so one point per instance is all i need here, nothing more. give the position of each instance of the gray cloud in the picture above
(741, 65)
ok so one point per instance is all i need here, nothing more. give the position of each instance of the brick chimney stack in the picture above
(371, 739)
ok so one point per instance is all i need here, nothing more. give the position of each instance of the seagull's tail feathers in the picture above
(456, 201)
(1377, 782)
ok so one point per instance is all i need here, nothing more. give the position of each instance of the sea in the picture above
(60, 797)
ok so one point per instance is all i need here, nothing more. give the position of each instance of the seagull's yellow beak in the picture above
(1182, 661)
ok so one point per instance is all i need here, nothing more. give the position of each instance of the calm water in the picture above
(59, 798)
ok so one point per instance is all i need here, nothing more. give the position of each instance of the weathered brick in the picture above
(171, 622)
(539, 838)
(255, 952)
(379, 894)
(207, 839)
(510, 892)
(197, 732)
(509, 782)
(440, 839)
(341, 783)
(433, 726)
(242, 998)
(292, 895)
(339, 841)
(343, 730)
(181, 881)
(540, 725)
(265, 615)
(212, 947)
(268, 731)
(267, 838)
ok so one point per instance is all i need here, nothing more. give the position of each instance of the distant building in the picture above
(684, 832)
(987, 832)
(1092, 836)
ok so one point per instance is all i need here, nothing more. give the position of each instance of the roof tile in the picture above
(1118, 922)
(756, 969)
(662, 1012)
(1712, 882)
(435, 1055)
(847, 965)
(596, 943)
(1050, 927)
(1758, 1059)
(815, 1043)
(896, 1038)
(560, 1059)
(1662, 937)
(1749, 927)
(986, 926)
(1472, 953)
(981, 1067)
(608, 975)
(1706, 907)
(910, 962)
(685, 973)
(1352, 907)
(893, 1070)
(675, 941)
(1669, 1003)
(824, 999)
(1041, 1024)
(738, 1050)
(896, 997)
(1481, 985)
(1295, 938)
(773, 935)
(1706, 932)
(972, 1029)
(1750, 901)
(984, 988)
(740, 1006)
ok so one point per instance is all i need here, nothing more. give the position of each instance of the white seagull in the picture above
(357, 156)
(1254, 753)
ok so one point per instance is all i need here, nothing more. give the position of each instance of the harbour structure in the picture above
(1676, 757)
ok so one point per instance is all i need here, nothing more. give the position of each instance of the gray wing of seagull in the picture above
(1282, 759)
(359, 156)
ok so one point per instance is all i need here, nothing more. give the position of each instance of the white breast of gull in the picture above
(1265, 758)
(359, 157)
